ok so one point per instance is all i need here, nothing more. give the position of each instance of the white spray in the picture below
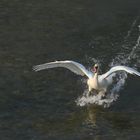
(114, 92)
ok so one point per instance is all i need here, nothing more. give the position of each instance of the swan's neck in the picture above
(96, 76)
(95, 81)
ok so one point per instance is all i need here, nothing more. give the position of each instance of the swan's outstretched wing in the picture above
(71, 65)
(119, 68)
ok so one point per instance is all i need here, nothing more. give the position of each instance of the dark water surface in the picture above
(41, 106)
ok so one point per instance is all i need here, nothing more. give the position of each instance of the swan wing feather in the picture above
(75, 67)
(119, 68)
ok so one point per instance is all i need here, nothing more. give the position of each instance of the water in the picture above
(44, 105)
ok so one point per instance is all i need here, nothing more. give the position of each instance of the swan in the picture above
(99, 83)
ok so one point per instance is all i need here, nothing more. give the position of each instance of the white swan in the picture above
(96, 82)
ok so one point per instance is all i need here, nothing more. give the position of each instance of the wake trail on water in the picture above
(121, 59)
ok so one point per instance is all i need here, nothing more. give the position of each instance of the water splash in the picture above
(96, 99)
(131, 29)
(121, 59)
(125, 59)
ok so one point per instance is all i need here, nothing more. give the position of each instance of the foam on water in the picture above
(121, 59)
(96, 99)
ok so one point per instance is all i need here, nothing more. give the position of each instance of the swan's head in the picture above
(95, 68)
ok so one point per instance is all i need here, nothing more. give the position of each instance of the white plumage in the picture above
(97, 82)
(71, 65)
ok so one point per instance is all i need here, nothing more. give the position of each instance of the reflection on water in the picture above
(106, 123)
(93, 114)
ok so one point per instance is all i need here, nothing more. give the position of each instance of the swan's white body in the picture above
(97, 82)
